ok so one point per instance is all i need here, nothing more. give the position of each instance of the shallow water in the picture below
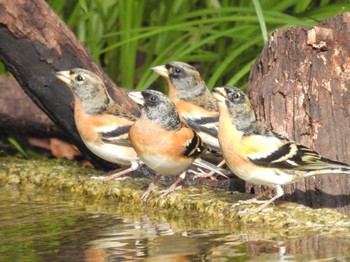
(39, 225)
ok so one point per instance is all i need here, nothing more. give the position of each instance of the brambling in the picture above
(102, 124)
(195, 104)
(160, 139)
(259, 155)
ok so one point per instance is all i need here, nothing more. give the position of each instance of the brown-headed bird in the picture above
(194, 102)
(102, 124)
(160, 139)
(260, 156)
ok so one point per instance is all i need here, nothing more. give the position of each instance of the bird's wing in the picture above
(193, 146)
(201, 123)
(116, 135)
(273, 151)
(119, 111)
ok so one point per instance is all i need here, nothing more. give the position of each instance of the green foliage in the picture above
(19, 148)
(222, 37)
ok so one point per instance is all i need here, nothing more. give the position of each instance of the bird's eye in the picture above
(235, 96)
(79, 78)
(153, 98)
(177, 70)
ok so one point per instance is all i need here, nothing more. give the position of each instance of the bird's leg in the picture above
(255, 200)
(174, 186)
(279, 193)
(150, 188)
(203, 174)
(116, 176)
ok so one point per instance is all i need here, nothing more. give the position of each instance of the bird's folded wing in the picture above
(116, 135)
(204, 124)
(271, 151)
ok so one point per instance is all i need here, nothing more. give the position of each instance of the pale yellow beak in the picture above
(219, 93)
(64, 76)
(161, 70)
(137, 97)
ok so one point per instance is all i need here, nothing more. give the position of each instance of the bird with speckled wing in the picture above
(194, 102)
(259, 155)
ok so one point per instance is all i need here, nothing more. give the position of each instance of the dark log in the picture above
(300, 87)
(35, 43)
(20, 116)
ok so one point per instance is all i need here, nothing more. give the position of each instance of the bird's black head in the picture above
(157, 107)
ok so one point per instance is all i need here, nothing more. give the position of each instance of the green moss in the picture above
(287, 219)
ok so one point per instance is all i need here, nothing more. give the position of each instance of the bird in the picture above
(161, 140)
(194, 102)
(259, 155)
(103, 125)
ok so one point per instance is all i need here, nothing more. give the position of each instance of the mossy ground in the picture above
(211, 206)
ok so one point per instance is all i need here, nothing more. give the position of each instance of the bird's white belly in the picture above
(121, 155)
(164, 166)
(266, 176)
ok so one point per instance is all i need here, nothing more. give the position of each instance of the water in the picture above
(39, 225)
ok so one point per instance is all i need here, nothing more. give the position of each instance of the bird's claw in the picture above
(200, 173)
(165, 192)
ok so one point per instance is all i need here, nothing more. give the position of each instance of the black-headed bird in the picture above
(161, 140)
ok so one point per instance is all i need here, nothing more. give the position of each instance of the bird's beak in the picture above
(64, 76)
(161, 70)
(219, 93)
(137, 97)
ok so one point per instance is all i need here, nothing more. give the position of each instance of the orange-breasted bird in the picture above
(102, 124)
(195, 103)
(161, 140)
(260, 156)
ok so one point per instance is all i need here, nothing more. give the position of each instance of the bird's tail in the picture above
(205, 164)
(327, 166)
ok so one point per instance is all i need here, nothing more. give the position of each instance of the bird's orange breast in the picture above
(88, 125)
(148, 138)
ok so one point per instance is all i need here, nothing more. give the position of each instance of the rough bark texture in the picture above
(300, 87)
(19, 115)
(34, 44)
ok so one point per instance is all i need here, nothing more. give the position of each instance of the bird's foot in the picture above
(170, 189)
(203, 174)
(147, 193)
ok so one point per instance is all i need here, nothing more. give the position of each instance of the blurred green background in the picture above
(222, 38)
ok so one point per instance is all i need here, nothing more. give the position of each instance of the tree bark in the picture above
(299, 86)
(35, 43)
(20, 116)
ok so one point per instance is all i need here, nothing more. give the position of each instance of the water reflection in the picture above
(44, 226)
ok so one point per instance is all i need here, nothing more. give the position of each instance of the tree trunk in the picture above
(299, 87)
(20, 116)
(34, 44)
